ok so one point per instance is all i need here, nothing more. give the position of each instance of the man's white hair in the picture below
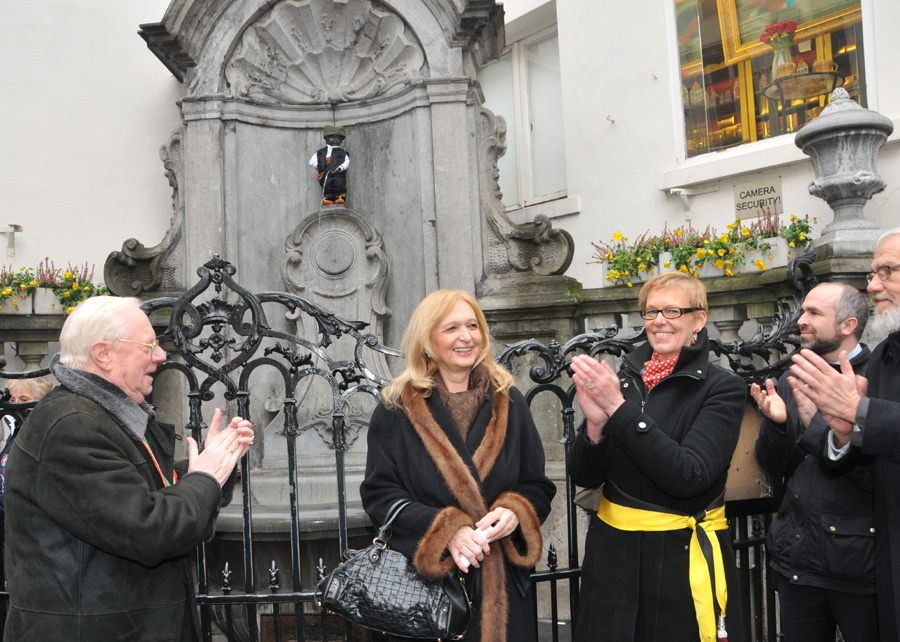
(885, 236)
(92, 320)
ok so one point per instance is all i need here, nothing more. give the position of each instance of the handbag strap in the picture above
(384, 533)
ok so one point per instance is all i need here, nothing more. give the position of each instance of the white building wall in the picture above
(624, 141)
(84, 111)
(86, 107)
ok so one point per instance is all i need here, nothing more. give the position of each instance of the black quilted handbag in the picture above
(380, 589)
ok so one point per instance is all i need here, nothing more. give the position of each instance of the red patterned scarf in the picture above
(656, 370)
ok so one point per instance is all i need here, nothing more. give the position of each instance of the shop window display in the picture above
(734, 91)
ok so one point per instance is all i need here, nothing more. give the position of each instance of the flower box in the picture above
(16, 305)
(776, 256)
(45, 302)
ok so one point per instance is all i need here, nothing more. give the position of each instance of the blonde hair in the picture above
(37, 386)
(694, 287)
(416, 347)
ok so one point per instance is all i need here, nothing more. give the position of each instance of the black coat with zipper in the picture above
(670, 448)
(823, 535)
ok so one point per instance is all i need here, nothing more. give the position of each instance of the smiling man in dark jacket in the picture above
(99, 518)
(821, 544)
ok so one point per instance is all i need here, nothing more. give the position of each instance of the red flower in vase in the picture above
(779, 34)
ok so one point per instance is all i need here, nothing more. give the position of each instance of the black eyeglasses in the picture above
(883, 273)
(668, 313)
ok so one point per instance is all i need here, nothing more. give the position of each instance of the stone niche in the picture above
(261, 81)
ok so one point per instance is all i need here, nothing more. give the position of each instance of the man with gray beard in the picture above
(865, 421)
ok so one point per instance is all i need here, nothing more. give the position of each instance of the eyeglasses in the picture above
(883, 273)
(668, 313)
(153, 346)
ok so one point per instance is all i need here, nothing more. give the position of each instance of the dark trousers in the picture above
(810, 614)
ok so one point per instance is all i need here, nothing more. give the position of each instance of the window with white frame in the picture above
(523, 86)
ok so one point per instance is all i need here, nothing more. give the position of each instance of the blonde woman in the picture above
(457, 439)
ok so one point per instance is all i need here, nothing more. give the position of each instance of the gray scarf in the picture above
(132, 417)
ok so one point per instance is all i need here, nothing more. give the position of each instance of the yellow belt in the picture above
(636, 519)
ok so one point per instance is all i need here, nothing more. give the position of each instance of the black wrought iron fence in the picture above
(318, 367)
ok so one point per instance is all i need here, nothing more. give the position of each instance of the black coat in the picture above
(881, 440)
(671, 448)
(418, 453)
(96, 548)
(823, 535)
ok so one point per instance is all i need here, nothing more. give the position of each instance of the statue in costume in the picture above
(331, 162)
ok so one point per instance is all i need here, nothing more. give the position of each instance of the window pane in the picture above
(497, 84)
(545, 116)
(732, 90)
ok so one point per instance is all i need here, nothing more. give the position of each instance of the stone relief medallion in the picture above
(335, 260)
(306, 52)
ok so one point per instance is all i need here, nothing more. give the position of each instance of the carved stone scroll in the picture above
(136, 269)
(532, 247)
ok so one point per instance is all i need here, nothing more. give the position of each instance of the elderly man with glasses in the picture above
(865, 421)
(100, 519)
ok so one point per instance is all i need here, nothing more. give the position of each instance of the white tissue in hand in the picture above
(465, 560)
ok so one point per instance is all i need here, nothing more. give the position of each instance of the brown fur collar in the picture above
(429, 555)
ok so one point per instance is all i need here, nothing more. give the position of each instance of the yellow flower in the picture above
(728, 273)
(678, 232)
(7, 291)
(617, 236)
(630, 284)
(69, 309)
(22, 286)
(67, 294)
(745, 231)
(720, 263)
(731, 226)
(759, 264)
(721, 252)
(641, 267)
(607, 255)
(723, 238)
(74, 286)
(710, 252)
(700, 253)
(792, 244)
(666, 264)
(793, 218)
(816, 221)
(683, 268)
(67, 275)
(802, 236)
(705, 241)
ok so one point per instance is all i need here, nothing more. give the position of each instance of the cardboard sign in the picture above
(759, 196)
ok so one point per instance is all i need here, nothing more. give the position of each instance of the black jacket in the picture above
(881, 440)
(96, 547)
(418, 453)
(672, 448)
(824, 534)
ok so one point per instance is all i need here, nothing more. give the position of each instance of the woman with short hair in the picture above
(658, 437)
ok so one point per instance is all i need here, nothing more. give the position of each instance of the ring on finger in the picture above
(589, 384)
